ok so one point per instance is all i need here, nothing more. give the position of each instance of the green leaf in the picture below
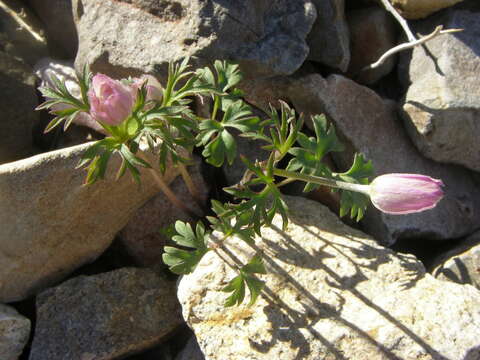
(219, 143)
(237, 287)
(308, 157)
(184, 261)
(241, 227)
(255, 287)
(228, 74)
(354, 203)
(255, 266)
(246, 277)
(261, 207)
(131, 158)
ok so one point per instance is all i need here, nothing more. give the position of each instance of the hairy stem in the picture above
(322, 181)
(192, 188)
(169, 193)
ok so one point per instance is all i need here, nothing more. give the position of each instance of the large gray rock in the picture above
(143, 237)
(369, 124)
(461, 264)
(266, 37)
(14, 333)
(17, 106)
(331, 293)
(329, 39)
(105, 316)
(21, 33)
(442, 104)
(372, 33)
(57, 18)
(51, 224)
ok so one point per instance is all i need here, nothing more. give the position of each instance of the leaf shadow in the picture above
(297, 327)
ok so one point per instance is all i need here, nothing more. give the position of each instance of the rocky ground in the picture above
(81, 272)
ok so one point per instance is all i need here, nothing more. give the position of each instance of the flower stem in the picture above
(169, 193)
(216, 104)
(322, 181)
(192, 188)
(171, 196)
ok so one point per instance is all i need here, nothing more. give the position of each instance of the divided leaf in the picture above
(214, 135)
(184, 261)
(308, 157)
(246, 278)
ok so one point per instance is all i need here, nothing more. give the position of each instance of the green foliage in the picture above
(352, 202)
(182, 261)
(171, 130)
(70, 107)
(246, 279)
(260, 206)
(308, 157)
(219, 144)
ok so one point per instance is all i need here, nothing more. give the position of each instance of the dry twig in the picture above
(408, 45)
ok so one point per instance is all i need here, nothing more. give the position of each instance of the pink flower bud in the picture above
(111, 102)
(405, 193)
(154, 88)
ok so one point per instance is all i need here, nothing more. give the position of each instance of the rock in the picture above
(191, 351)
(442, 106)
(331, 293)
(142, 237)
(105, 316)
(265, 38)
(21, 34)
(369, 124)
(372, 33)
(17, 106)
(461, 264)
(51, 224)
(58, 20)
(14, 333)
(418, 9)
(264, 93)
(329, 39)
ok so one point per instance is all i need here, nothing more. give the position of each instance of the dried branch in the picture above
(408, 45)
(403, 23)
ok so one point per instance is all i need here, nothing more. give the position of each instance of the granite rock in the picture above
(21, 34)
(51, 224)
(14, 333)
(57, 18)
(17, 106)
(461, 264)
(265, 37)
(441, 106)
(372, 33)
(329, 39)
(331, 292)
(105, 316)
